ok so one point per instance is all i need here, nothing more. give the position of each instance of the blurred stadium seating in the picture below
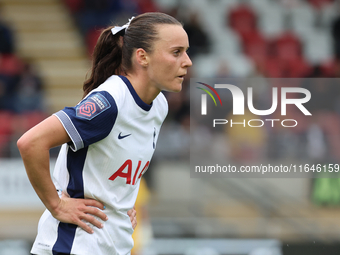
(49, 43)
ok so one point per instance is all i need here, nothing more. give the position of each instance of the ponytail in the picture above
(106, 59)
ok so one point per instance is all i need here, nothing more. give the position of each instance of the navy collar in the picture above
(138, 100)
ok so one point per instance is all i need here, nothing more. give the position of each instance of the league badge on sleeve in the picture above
(92, 106)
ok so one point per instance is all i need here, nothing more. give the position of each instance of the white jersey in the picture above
(114, 135)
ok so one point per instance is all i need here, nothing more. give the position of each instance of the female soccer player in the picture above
(107, 140)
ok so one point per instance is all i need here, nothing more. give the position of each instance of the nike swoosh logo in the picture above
(122, 136)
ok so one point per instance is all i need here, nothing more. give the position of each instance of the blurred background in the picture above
(45, 53)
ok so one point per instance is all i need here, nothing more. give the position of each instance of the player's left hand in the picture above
(133, 217)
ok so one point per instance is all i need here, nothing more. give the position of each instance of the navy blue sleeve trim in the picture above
(91, 120)
(138, 100)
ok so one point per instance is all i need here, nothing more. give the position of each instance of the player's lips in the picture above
(181, 76)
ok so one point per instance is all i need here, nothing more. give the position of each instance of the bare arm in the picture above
(34, 148)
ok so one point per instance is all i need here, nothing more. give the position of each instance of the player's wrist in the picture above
(54, 206)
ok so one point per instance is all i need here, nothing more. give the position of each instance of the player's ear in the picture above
(142, 57)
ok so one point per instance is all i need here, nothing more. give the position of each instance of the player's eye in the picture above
(177, 52)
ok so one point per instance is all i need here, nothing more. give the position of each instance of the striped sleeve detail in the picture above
(77, 141)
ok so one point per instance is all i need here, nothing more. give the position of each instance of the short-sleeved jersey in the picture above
(113, 137)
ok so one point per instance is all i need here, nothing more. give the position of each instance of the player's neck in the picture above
(143, 87)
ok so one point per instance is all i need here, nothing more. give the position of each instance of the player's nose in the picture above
(187, 61)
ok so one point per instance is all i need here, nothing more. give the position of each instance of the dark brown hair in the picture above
(112, 55)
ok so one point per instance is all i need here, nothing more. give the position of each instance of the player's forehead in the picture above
(171, 36)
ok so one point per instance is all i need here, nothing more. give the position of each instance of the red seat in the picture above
(147, 6)
(91, 39)
(274, 68)
(74, 5)
(320, 3)
(6, 129)
(30, 119)
(287, 46)
(330, 68)
(255, 46)
(242, 19)
(6, 123)
(297, 68)
(10, 64)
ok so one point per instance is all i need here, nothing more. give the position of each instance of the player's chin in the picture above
(174, 86)
(177, 90)
(177, 87)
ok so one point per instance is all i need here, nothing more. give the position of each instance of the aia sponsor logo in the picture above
(126, 172)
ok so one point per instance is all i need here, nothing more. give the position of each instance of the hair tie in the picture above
(117, 29)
